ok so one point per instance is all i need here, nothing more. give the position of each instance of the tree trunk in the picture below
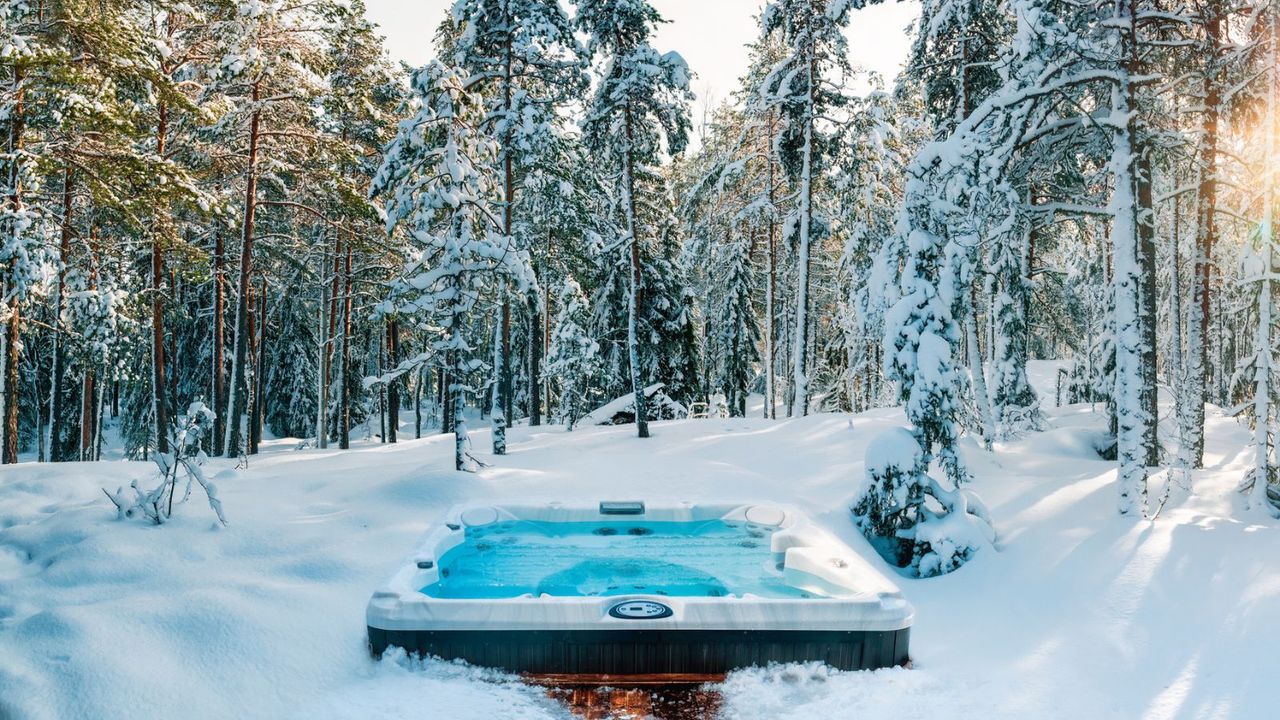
(334, 306)
(393, 388)
(379, 350)
(1198, 330)
(13, 337)
(495, 389)
(158, 385)
(976, 373)
(259, 371)
(1264, 346)
(633, 296)
(459, 417)
(1147, 303)
(502, 406)
(239, 387)
(800, 372)
(501, 390)
(322, 377)
(537, 337)
(1131, 418)
(770, 342)
(417, 403)
(88, 417)
(444, 399)
(251, 445)
(219, 370)
(344, 408)
(59, 445)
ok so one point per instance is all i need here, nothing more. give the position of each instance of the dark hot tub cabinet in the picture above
(845, 613)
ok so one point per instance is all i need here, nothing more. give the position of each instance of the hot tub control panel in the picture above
(640, 610)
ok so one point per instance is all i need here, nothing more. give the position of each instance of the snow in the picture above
(1076, 613)
(625, 403)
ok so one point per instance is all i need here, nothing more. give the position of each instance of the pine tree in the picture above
(434, 183)
(361, 96)
(638, 102)
(526, 62)
(266, 65)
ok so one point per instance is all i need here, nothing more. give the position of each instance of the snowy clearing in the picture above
(1081, 613)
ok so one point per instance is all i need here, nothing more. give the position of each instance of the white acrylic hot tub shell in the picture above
(860, 597)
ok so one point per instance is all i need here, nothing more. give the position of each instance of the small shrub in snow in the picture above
(912, 519)
(185, 462)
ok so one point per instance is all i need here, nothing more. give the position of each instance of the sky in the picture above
(709, 34)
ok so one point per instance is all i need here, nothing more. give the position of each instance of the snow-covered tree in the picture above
(639, 101)
(913, 520)
(525, 61)
(1258, 272)
(879, 140)
(574, 356)
(735, 325)
(804, 89)
(267, 63)
(433, 183)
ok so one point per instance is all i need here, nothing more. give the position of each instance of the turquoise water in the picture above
(710, 558)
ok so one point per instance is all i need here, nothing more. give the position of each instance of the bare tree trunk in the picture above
(976, 373)
(546, 343)
(322, 376)
(89, 442)
(459, 418)
(379, 350)
(239, 387)
(251, 446)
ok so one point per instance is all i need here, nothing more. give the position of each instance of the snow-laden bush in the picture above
(910, 517)
(185, 462)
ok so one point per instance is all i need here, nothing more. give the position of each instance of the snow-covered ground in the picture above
(1080, 613)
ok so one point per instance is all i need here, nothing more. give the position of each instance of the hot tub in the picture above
(625, 588)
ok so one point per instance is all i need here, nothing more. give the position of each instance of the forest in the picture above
(246, 211)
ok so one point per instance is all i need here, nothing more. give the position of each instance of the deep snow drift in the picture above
(1079, 613)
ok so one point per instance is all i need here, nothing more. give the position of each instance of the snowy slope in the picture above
(1079, 614)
